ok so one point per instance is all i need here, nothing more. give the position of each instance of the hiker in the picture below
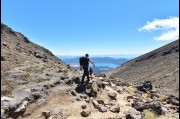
(84, 63)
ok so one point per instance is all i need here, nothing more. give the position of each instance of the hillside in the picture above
(161, 66)
(24, 62)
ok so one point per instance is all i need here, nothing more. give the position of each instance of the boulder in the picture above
(83, 96)
(84, 106)
(3, 57)
(154, 105)
(85, 112)
(130, 97)
(146, 85)
(173, 100)
(112, 95)
(46, 114)
(69, 81)
(77, 80)
(102, 108)
(95, 103)
(40, 54)
(119, 89)
(115, 108)
(73, 93)
(133, 114)
(100, 101)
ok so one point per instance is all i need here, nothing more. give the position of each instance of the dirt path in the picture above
(60, 99)
(66, 106)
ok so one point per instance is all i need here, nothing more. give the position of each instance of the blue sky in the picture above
(97, 27)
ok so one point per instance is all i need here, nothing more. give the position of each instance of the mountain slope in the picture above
(161, 66)
(36, 84)
(24, 62)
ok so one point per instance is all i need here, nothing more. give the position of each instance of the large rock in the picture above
(112, 95)
(173, 100)
(154, 105)
(86, 112)
(21, 109)
(46, 114)
(95, 103)
(115, 108)
(102, 108)
(133, 114)
(146, 86)
(3, 57)
(9, 103)
(40, 54)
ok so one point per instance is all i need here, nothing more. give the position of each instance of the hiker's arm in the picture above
(91, 62)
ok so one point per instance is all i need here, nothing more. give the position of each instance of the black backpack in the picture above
(83, 61)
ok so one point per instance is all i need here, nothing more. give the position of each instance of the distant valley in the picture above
(103, 64)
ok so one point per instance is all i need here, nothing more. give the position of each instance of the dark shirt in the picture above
(87, 62)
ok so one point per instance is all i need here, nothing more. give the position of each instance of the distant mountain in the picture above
(161, 66)
(96, 60)
(103, 64)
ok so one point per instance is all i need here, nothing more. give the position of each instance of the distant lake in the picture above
(98, 65)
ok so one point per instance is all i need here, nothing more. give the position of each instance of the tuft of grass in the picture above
(129, 89)
(149, 114)
(9, 86)
(3, 75)
(162, 98)
(25, 77)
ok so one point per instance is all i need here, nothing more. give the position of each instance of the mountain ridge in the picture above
(160, 66)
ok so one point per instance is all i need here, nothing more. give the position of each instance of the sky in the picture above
(97, 27)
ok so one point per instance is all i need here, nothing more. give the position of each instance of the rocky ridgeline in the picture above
(139, 99)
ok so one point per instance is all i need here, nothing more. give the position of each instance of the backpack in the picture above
(83, 61)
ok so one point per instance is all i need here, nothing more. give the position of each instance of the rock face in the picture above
(160, 66)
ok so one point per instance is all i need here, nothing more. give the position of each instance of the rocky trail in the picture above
(102, 98)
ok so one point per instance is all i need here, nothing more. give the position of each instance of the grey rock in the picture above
(84, 106)
(3, 57)
(73, 93)
(46, 114)
(86, 112)
(100, 101)
(102, 108)
(115, 108)
(173, 100)
(154, 105)
(95, 103)
(40, 54)
(112, 95)
(133, 114)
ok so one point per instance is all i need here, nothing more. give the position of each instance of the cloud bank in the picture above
(169, 28)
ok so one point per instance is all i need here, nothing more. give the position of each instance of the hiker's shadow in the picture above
(80, 88)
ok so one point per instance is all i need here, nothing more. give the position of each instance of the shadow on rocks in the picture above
(80, 88)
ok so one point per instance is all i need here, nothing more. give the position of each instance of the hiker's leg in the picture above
(87, 72)
(84, 74)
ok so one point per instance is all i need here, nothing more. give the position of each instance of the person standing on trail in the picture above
(84, 63)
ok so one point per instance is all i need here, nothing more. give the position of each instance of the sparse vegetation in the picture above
(149, 114)
(129, 89)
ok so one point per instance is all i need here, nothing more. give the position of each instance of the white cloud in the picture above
(170, 28)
